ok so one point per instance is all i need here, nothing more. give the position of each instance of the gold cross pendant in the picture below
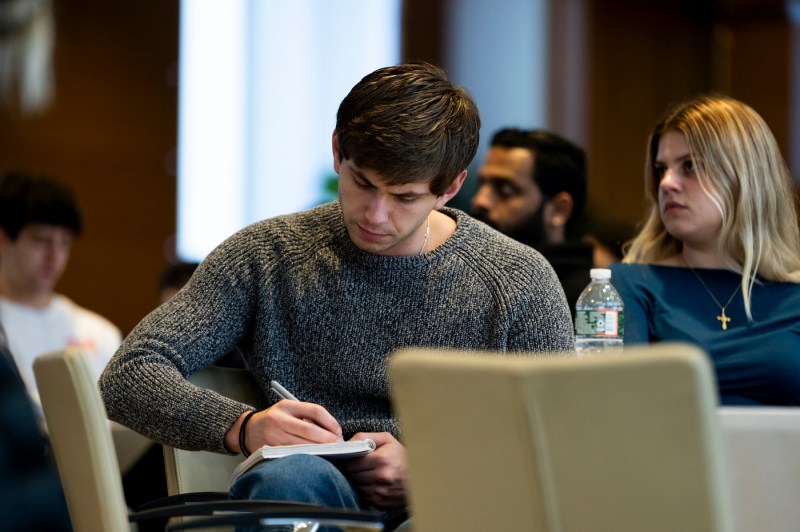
(724, 319)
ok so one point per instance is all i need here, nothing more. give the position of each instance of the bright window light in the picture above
(260, 82)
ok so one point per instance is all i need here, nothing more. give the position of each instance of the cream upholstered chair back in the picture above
(81, 441)
(89, 471)
(197, 471)
(763, 450)
(539, 443)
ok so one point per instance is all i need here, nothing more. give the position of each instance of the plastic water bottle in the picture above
(599, 317)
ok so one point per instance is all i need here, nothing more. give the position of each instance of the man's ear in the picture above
(335, 147)
(451, 190)
(558, 210)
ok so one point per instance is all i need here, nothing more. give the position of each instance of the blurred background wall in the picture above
(109, 132)
(613, 65)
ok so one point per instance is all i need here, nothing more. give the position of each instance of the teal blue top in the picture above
(756, 363)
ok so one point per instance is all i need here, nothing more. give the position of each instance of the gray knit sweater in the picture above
(311, 310)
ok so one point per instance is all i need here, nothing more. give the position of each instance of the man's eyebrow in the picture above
(495, 177)
(408, 194)
(359, 174)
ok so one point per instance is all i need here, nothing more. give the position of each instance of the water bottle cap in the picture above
(600, 273)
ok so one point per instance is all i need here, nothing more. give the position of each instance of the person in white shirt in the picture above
(39, 219)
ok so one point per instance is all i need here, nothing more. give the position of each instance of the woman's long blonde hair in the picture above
(740, 167)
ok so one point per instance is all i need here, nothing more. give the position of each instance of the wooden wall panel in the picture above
(109, 134)
(423, 21)
(647, 55)
(643, 57)
(761, 72)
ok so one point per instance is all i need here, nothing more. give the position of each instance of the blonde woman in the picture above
(717, 262)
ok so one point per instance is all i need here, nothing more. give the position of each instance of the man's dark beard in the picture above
(530, 232)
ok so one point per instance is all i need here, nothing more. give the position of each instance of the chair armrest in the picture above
(287, 515)
(210, 508)
(185, 498)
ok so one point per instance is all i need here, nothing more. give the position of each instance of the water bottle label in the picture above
(607, 323)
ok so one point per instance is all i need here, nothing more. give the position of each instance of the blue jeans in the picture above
(301, 478)
(298, 478)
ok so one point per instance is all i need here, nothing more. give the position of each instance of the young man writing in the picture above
(319, 300)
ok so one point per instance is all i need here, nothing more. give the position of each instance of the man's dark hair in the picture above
(559, 165)
(409, 123)
(27, 198)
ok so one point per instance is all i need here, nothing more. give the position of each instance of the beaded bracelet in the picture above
(243, 434)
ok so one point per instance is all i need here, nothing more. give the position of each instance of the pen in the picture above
(281, 391)
(285, 394)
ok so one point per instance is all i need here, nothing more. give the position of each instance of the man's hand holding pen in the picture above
(288, 422)
(379, 477)
(292, 422)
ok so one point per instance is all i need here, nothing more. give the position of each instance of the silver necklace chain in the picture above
(427, 234)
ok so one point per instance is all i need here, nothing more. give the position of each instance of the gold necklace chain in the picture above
(722, 318)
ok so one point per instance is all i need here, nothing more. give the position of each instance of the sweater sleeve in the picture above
(541, 320)
(532, 311)
(144, 385)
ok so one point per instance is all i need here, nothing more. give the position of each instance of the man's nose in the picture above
(482, 201)
(377, 209)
